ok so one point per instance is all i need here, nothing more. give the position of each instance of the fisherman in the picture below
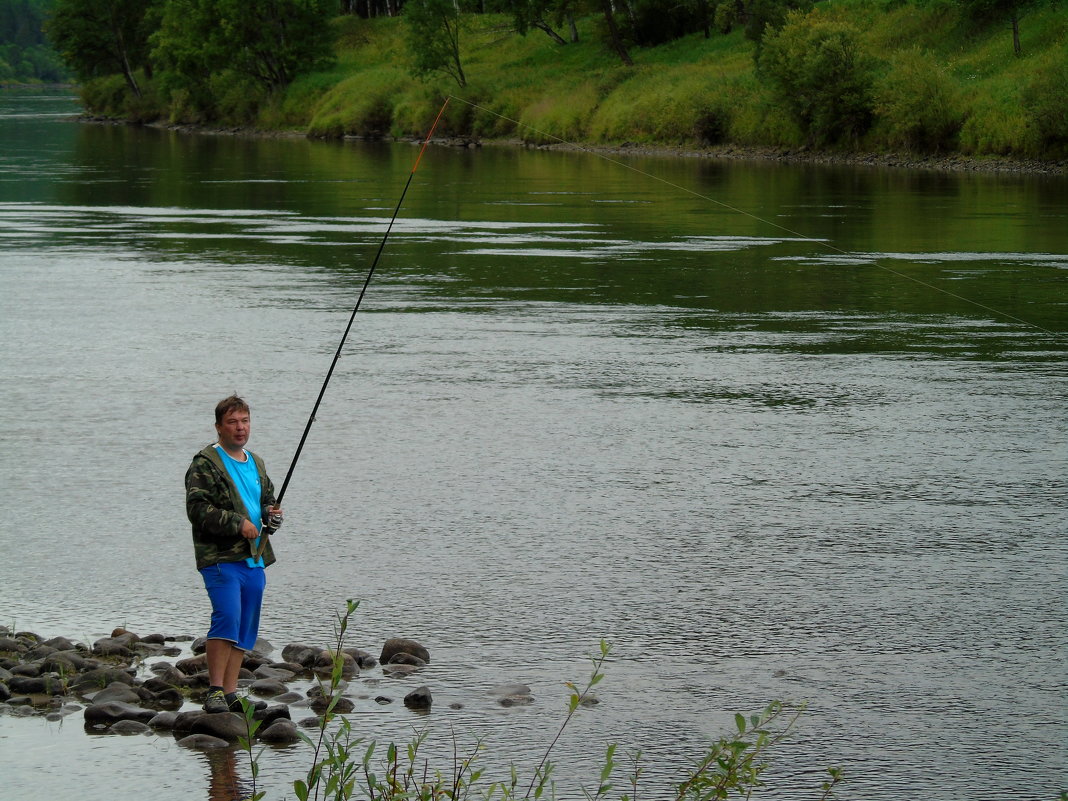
(230, 501)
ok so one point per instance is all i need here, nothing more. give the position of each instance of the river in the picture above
(772, 431)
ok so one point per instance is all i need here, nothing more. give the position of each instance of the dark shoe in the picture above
(215, 701)
(233, 703)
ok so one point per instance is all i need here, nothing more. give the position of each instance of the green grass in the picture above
(692, 92)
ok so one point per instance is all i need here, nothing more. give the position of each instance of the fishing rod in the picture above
(258, 549)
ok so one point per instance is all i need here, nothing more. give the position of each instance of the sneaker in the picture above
(215, 701)
(233, 703)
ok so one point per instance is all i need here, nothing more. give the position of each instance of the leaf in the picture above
(739, 721)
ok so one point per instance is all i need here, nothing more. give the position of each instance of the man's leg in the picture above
(224, 664)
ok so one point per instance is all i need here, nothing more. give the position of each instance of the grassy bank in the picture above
(934, 84)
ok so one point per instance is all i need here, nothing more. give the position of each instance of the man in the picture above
(229, 499)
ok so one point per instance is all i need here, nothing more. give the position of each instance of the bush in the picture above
(358, 106)
(917, 103)
(1045, 105)
(819, 74)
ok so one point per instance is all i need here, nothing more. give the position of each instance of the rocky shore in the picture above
(948, 162)
(154, 684)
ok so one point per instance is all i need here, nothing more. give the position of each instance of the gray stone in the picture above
(36, 685)
(419, 698)
(281, 732)
(406, 659)
(300, 654)
(398, 645)
(116, 691)
(130, 727)
(203, 742)
(99, 678)
(267, 687)
(399, 670)
(342, 707)
(227, 725)
(164, 720)
(270, 672)
(111, 712)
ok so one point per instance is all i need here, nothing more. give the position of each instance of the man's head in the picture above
(232, 422)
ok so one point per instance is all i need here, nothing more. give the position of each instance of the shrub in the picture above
(1045, 105)
(821, 77)
(917, 103)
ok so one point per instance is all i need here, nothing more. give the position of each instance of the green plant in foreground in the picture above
(344, 767)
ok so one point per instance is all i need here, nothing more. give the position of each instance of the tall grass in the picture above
(937, 83)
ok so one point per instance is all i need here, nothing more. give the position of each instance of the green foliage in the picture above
(918, 103)
(434, 32)
(821, 76)
(358, 106)
(653, 22)
(103, 37)
(1044, 99)
(25, 54)
(269, 41)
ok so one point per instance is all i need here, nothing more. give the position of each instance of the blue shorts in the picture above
(236, 592)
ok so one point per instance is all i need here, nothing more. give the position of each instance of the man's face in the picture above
(234, 430)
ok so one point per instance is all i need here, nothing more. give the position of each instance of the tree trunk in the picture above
(1016, 34)
(542, 26)
(573, 27)
(613, 33)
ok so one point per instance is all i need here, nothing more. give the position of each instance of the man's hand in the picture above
(274, 517)
(248, 530)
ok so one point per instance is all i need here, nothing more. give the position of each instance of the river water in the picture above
(773, 432)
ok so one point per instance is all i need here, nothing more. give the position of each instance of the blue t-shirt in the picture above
(247, 479)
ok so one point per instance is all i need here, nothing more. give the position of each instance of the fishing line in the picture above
(758, 218)
(257, 550)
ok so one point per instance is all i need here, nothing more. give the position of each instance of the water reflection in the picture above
(226, 781)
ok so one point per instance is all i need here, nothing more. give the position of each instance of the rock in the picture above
(113, 646)
(267, 687)
(510, 689)
(286, 697)
(116, 691)
(342, 707)
(515, 700)
(26, 669)
(192, 665)
(269, 672)
(226, 725)
(398, 645)
(130, 727)
(112, 712)
(303, 655)
(406, 659)
(65, 661)
(5, 693)
(324, 665)
(363, 659)
(281, 732)
(164, 720)
(383, 700)
(99, 678)
(203, 742)
(154, 639)
(168, 699)
(419, 698)
(271, 714)
(36, 685)
(10, 645)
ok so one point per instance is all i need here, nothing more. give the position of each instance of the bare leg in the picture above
(224, 664)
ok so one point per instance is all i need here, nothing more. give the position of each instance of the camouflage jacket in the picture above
(214, 507)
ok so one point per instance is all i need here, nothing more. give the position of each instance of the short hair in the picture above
(227, 405)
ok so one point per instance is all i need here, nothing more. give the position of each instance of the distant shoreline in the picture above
(949, 162)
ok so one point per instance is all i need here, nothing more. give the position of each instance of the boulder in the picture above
(398, 645)
(225, 725)
(406, 659)
(267, 687)
(116, 691)
(99, 678)
(281, 732)
(363, 659)
(163, 720)
(203, 742)
(192, 665)
(419, 698)
(36, 685)
(129, 727)
(112, 712)
(342, 707)
(303, 655)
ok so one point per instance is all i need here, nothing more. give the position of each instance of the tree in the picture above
(1010, 11)
(434, 38)
(542, 15)
(270, 41)
(615, 39)
(104, 37)
(820, 75)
